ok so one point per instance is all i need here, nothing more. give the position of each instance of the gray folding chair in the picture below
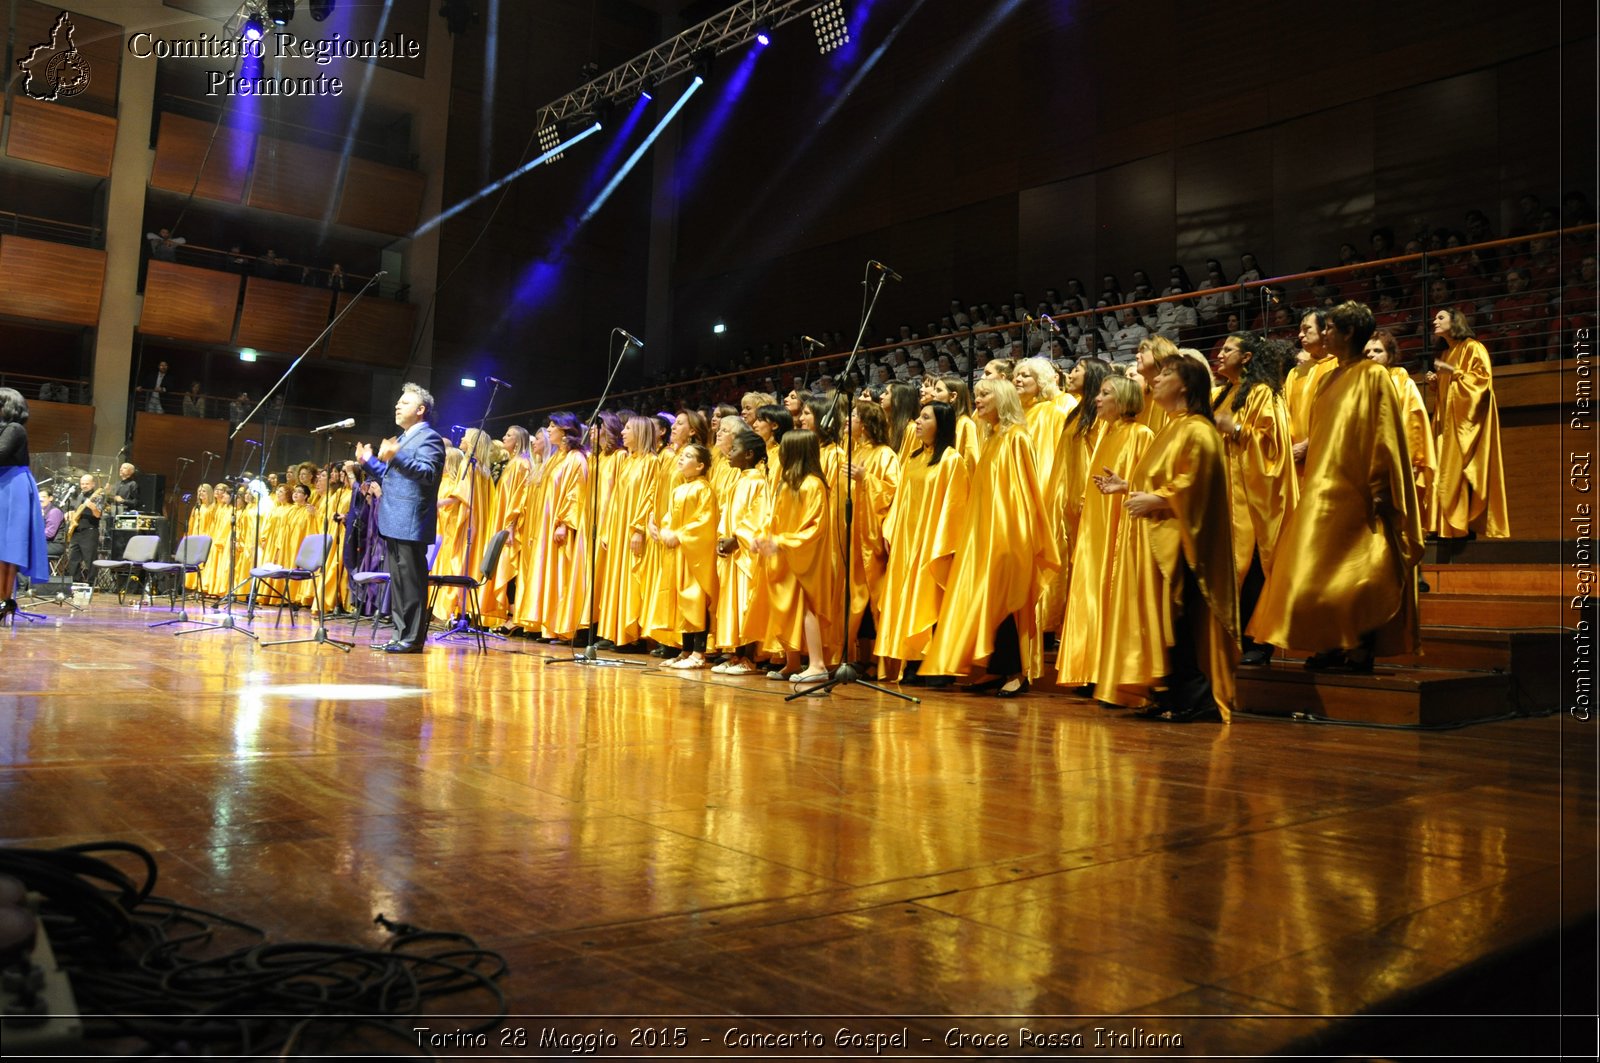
(140, 549)
(189, 557)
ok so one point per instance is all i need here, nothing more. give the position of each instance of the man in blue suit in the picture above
(408, 469)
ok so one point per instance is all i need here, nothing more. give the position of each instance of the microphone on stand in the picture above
(348, 422)
(891, 274)
(497, 382)
(633, 341)
(186, 461)
(211, 454)
(253, 442)
(811, 342)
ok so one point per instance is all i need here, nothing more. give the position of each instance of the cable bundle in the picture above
(146, 968)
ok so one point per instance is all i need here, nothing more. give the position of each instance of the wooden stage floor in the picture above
(691, 848)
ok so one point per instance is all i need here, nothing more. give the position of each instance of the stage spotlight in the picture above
(647, 88)
(829, 23)
(763, 35)
(254, 29)
(705, 59)
(605, 112)
(589, 70)
(718, 329)
(247, 354)
(280, 11)
(321, 9)
(469, 382)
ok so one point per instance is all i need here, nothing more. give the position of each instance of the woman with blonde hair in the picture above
(1121, 442)
(466, 497)
(625, 532)
(553, 603)
(1152, 351)
(1035, 380)
(1003, 557)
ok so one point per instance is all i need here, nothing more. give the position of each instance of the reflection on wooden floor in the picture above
(656, 843)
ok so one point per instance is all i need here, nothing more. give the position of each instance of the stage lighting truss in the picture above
(828, 21)
(721, 33)
(549, 137)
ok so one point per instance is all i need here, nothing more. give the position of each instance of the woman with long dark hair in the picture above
(556, 600)
(921, 530)
(1470, 496)
(1263, 488)
(22, 543)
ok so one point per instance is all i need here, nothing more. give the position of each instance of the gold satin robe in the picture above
(1076, 473)
(874, 494)
(473, 495)
(1347, 557)
(510, 506)
(969, 440)
(1470, 489)
(658, 611)
(1004, 557)
(561, 596)
(693, 562)
(1262, 487)
(622, 593)
(1419, 439)
(1095, 549)
(743, 519)
(922, 528)
(1300, 388)
(1187, 466)
(1046, 425)
(803, 576)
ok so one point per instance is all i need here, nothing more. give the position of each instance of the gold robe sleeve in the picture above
(693, 517)
(1419, 439)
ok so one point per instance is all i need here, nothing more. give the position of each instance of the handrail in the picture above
(801, 365)
(89, 235)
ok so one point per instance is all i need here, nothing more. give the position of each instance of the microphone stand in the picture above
(591, 653)
(465, 626)
(846, 673)
(320, 632)
(227, 622)
(241, 487)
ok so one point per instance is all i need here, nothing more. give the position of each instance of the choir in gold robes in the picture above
(922, 528)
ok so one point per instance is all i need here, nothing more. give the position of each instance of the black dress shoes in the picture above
(403, 647)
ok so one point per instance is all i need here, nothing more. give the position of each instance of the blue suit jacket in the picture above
(410, 481)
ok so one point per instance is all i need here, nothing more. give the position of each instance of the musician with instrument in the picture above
(83, 532)
(128, 494)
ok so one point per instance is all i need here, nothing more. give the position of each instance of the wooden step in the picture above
(1404, 696)
(1495, 611)
(1530, 656)
(1514, 580)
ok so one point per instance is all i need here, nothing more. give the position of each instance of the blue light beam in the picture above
(638, 153)
(507, 179)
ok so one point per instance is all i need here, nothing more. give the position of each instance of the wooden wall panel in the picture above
(383, 199)
(292, 178)
(1224, 199)
(51, 282)
(1529, 398)
(160, 439)
(279, 316)
(377, 332)
(60, 136)
(183, 142)
(189, 303)
(49, 422)
(99, 42)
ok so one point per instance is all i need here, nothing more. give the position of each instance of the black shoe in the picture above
(604, 644)
(385, 647)
(1324, 661)
(664, 651)
(403, 647)
(1257, 656)
(1009, 691)
(1204, 712)
(937, 682)
(636, 646)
